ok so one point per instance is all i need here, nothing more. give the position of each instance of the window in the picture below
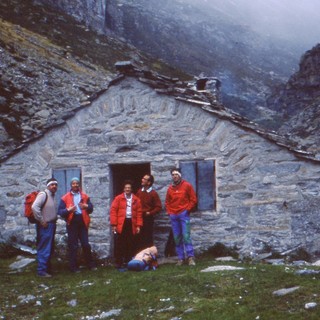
(63, 177)
(201, 174)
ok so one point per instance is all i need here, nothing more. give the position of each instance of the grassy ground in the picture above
(170, 292)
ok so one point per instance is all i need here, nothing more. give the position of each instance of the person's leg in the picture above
(54, 227)
(45, 238)
(72, 230)
(177, 235)
(147, 232)
(129, 241)
(136, 265)
(186, 232)
(120, 241)
(84, 240)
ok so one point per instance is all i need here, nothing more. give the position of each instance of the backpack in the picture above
(29, 200)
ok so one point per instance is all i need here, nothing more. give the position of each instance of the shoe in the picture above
(191, 261)
(75, 271)
(44, 275)
(93, 269)
(179, 263)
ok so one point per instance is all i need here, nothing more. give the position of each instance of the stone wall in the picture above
(266, 197)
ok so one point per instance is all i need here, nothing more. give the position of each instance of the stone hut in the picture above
(255, 190)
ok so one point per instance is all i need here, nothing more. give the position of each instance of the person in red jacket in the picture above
(126, 221)
(75, 207)
(180, 200)
(151, 205)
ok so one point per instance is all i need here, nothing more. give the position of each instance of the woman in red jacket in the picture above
(126, 221)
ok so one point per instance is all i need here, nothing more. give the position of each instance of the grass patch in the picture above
(168, 293)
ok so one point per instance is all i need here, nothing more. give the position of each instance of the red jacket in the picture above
(181, 197)
(68, 202)
(118, 212)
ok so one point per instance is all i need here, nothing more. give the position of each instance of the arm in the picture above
(37, 206)
(62, 210)
(156, 204)
(192, 198)
(86, 206)
(167, 201)
(139, 215)
(114, 214)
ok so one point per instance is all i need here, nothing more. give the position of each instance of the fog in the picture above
(296, 21)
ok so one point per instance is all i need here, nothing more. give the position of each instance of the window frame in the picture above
(63, 176)
(197, 172)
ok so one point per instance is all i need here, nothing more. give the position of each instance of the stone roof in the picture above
(204, 92)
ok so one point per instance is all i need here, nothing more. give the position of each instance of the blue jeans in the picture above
(45, 246)
(78, 231)
(180, 224)
(136, 265)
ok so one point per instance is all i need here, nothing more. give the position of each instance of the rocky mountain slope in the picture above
(51, 66)
(299, 101)
(252, 49)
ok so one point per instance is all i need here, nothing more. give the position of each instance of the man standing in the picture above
(180, 200)
(45, 213)
(75, 207)
(126, 221)
(151, 205)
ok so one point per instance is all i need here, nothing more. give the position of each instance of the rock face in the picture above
(201, 37)
(51, 66)
(265, 196)
(299, 101)
(196, 40)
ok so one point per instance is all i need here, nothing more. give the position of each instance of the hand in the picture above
(138, 230)
(83, 206)
(71, 209)
(148, 213)
(44, 224)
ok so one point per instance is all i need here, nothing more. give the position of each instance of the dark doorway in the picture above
(121, 172)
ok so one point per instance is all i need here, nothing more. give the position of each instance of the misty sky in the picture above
(293, 20)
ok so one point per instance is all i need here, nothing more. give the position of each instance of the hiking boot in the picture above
(179, 263)
(191, 261)
(44, 275)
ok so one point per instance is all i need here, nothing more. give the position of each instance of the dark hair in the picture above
(175, 169)
(128, 182)
(51, 180)
(151, 178)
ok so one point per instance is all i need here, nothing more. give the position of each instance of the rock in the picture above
(283, 292)
(72, 303)
(21, 263)
(221, 268)
(310, 305)
(225, 259)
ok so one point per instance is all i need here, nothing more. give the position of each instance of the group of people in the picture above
(131, 219)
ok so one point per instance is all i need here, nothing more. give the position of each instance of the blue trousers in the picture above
(77, 231)
(45, 246)
(180, 224)
(136, 265)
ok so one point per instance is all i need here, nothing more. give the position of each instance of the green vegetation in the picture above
(170, 292)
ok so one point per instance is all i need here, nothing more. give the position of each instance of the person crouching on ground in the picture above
(144, 260)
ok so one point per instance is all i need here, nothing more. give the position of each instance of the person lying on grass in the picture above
(144, 260)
